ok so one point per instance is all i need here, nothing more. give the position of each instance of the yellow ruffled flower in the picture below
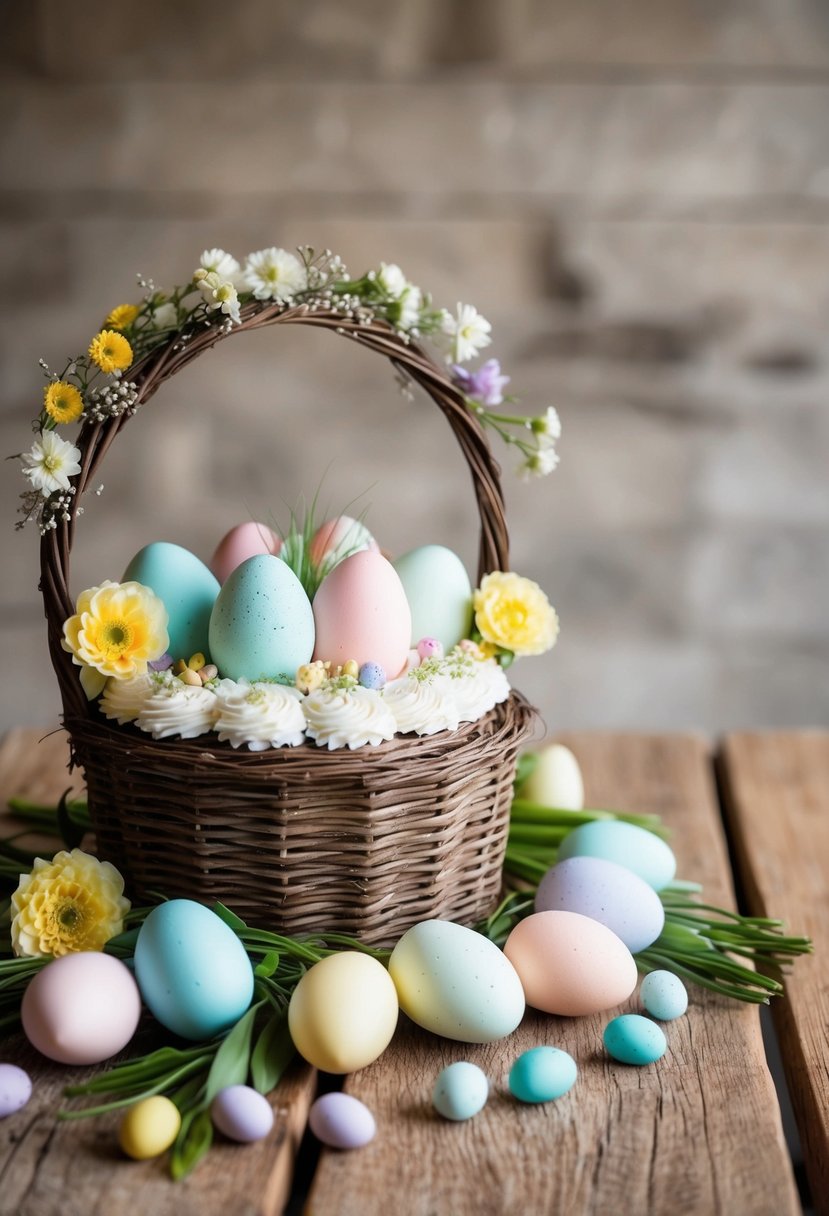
(514, 613)
(117, 630)
(62, 401)
(111, 351)
(73, 902)
(122, 316)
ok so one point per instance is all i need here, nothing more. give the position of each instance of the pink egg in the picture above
(245, 540)
(81, 1008)
(569, 964)
(340, 537)
(361, 612)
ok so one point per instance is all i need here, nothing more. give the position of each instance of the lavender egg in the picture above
(242, 1114)
(606, 892)
(341, 1121)
(15, 1089)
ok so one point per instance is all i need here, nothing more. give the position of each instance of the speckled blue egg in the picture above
(461, 1090)
(262, 625)
(192, 970)
(605, 892)
(187, 588)
(632, 1039)
(372, 675)
(663, 995)
(241, 1114)
(341, 1121)
(542, 1074)
(628, 845)
(15, 1089)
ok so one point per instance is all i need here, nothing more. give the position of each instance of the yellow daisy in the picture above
(122, 316)
(62, 402)
(111, 351)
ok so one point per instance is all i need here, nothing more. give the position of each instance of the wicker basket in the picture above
(301, 839)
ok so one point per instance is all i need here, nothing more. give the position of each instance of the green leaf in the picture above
(192, 1143)
(268, 966)
(233, 921)
(232, 1060)
(273, 1053)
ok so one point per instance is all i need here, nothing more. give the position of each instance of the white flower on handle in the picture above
(468, 330)
(411, 302)
(218, 293)
(165, 316)
(392, 279)
(538, 464)
(50, 463)
(275, 274)
(223, 264)
(547, 428)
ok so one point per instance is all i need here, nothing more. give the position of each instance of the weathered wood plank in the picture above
(73, 1169)
(777, 802)
(698, 1133)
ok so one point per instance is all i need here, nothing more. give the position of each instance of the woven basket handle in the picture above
(163, 362)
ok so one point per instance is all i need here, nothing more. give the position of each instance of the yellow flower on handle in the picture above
(111, 351)
(62, 401)
(514, 613)
(117, 630)
(122, 316)
(73, 902)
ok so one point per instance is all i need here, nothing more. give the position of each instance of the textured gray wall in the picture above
(635, 194)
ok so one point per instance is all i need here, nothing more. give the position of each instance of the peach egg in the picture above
(245, 540)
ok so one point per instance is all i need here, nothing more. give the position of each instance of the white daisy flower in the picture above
(411, 302)
(538, 464)
(223, 264)
(547, 427)
(392, 279)
(275, 274)
(468, 330)
(50, 463)
(218, 293)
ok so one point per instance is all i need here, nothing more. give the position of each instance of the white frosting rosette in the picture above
(420, 706)
(259, 715)
(122, 700)
(475, 686)
(178, 709)
(348, 717)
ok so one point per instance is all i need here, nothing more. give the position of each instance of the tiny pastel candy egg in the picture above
(372, 675)
(663, 995)
(188, 676)
(429, 648)
(242, 1114)
(196, 661)
(341, 1121)
(556, 780)
(208, 672)
(632, 1039)
(626, 844)
(351, 668)
(542, 1074)
(149, 1128)
(343, 1012)
(605, 892)
(81, 1008)
(15, 1089)
(461, 1090)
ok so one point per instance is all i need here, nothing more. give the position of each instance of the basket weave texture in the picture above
(301, 840)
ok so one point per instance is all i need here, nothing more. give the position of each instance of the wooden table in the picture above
(698, 1133)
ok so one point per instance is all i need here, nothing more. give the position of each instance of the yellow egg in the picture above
(343, 1012)
(149, 1128)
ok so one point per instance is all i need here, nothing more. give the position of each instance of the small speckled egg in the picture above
(81, 1008)
(439, 594)
(556, 780)
(245, 540)
(149, 1128)
(341, 1121)
(663, 995)
(372, 675)
(456, 983)
(461, 1090)
(262, 625)
(626, 844)
(605, 892)
(343, 1012)
(632, 1039)
(542, 1074)
(187, 588)
(192, 969)
(429, 648)
(570, 964)
(15, 1089)
(242, 1114)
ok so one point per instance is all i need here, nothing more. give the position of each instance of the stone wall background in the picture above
(636, 195)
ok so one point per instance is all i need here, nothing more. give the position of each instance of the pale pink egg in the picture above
(569, 964)
(339, 538)
(361, 612)
(245, 540)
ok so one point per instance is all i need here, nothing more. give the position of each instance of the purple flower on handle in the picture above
(485, 385)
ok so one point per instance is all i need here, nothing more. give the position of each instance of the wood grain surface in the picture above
(777, 802)
(698, 1133)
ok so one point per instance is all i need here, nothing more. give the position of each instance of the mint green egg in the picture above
(632, 1039)
(460, 1091)
(187, 588)
(630, 846)
(262, 624)
(439, 594)
(542, 1074)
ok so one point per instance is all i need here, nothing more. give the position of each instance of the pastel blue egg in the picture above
(372, 675)
(663, 995)
(439, 594)
(460, 1091)
(192, 970)
(262, 626)
(187, 588)
(632, 1039)
(542, 1074)
(628, 845)
(606, 892)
